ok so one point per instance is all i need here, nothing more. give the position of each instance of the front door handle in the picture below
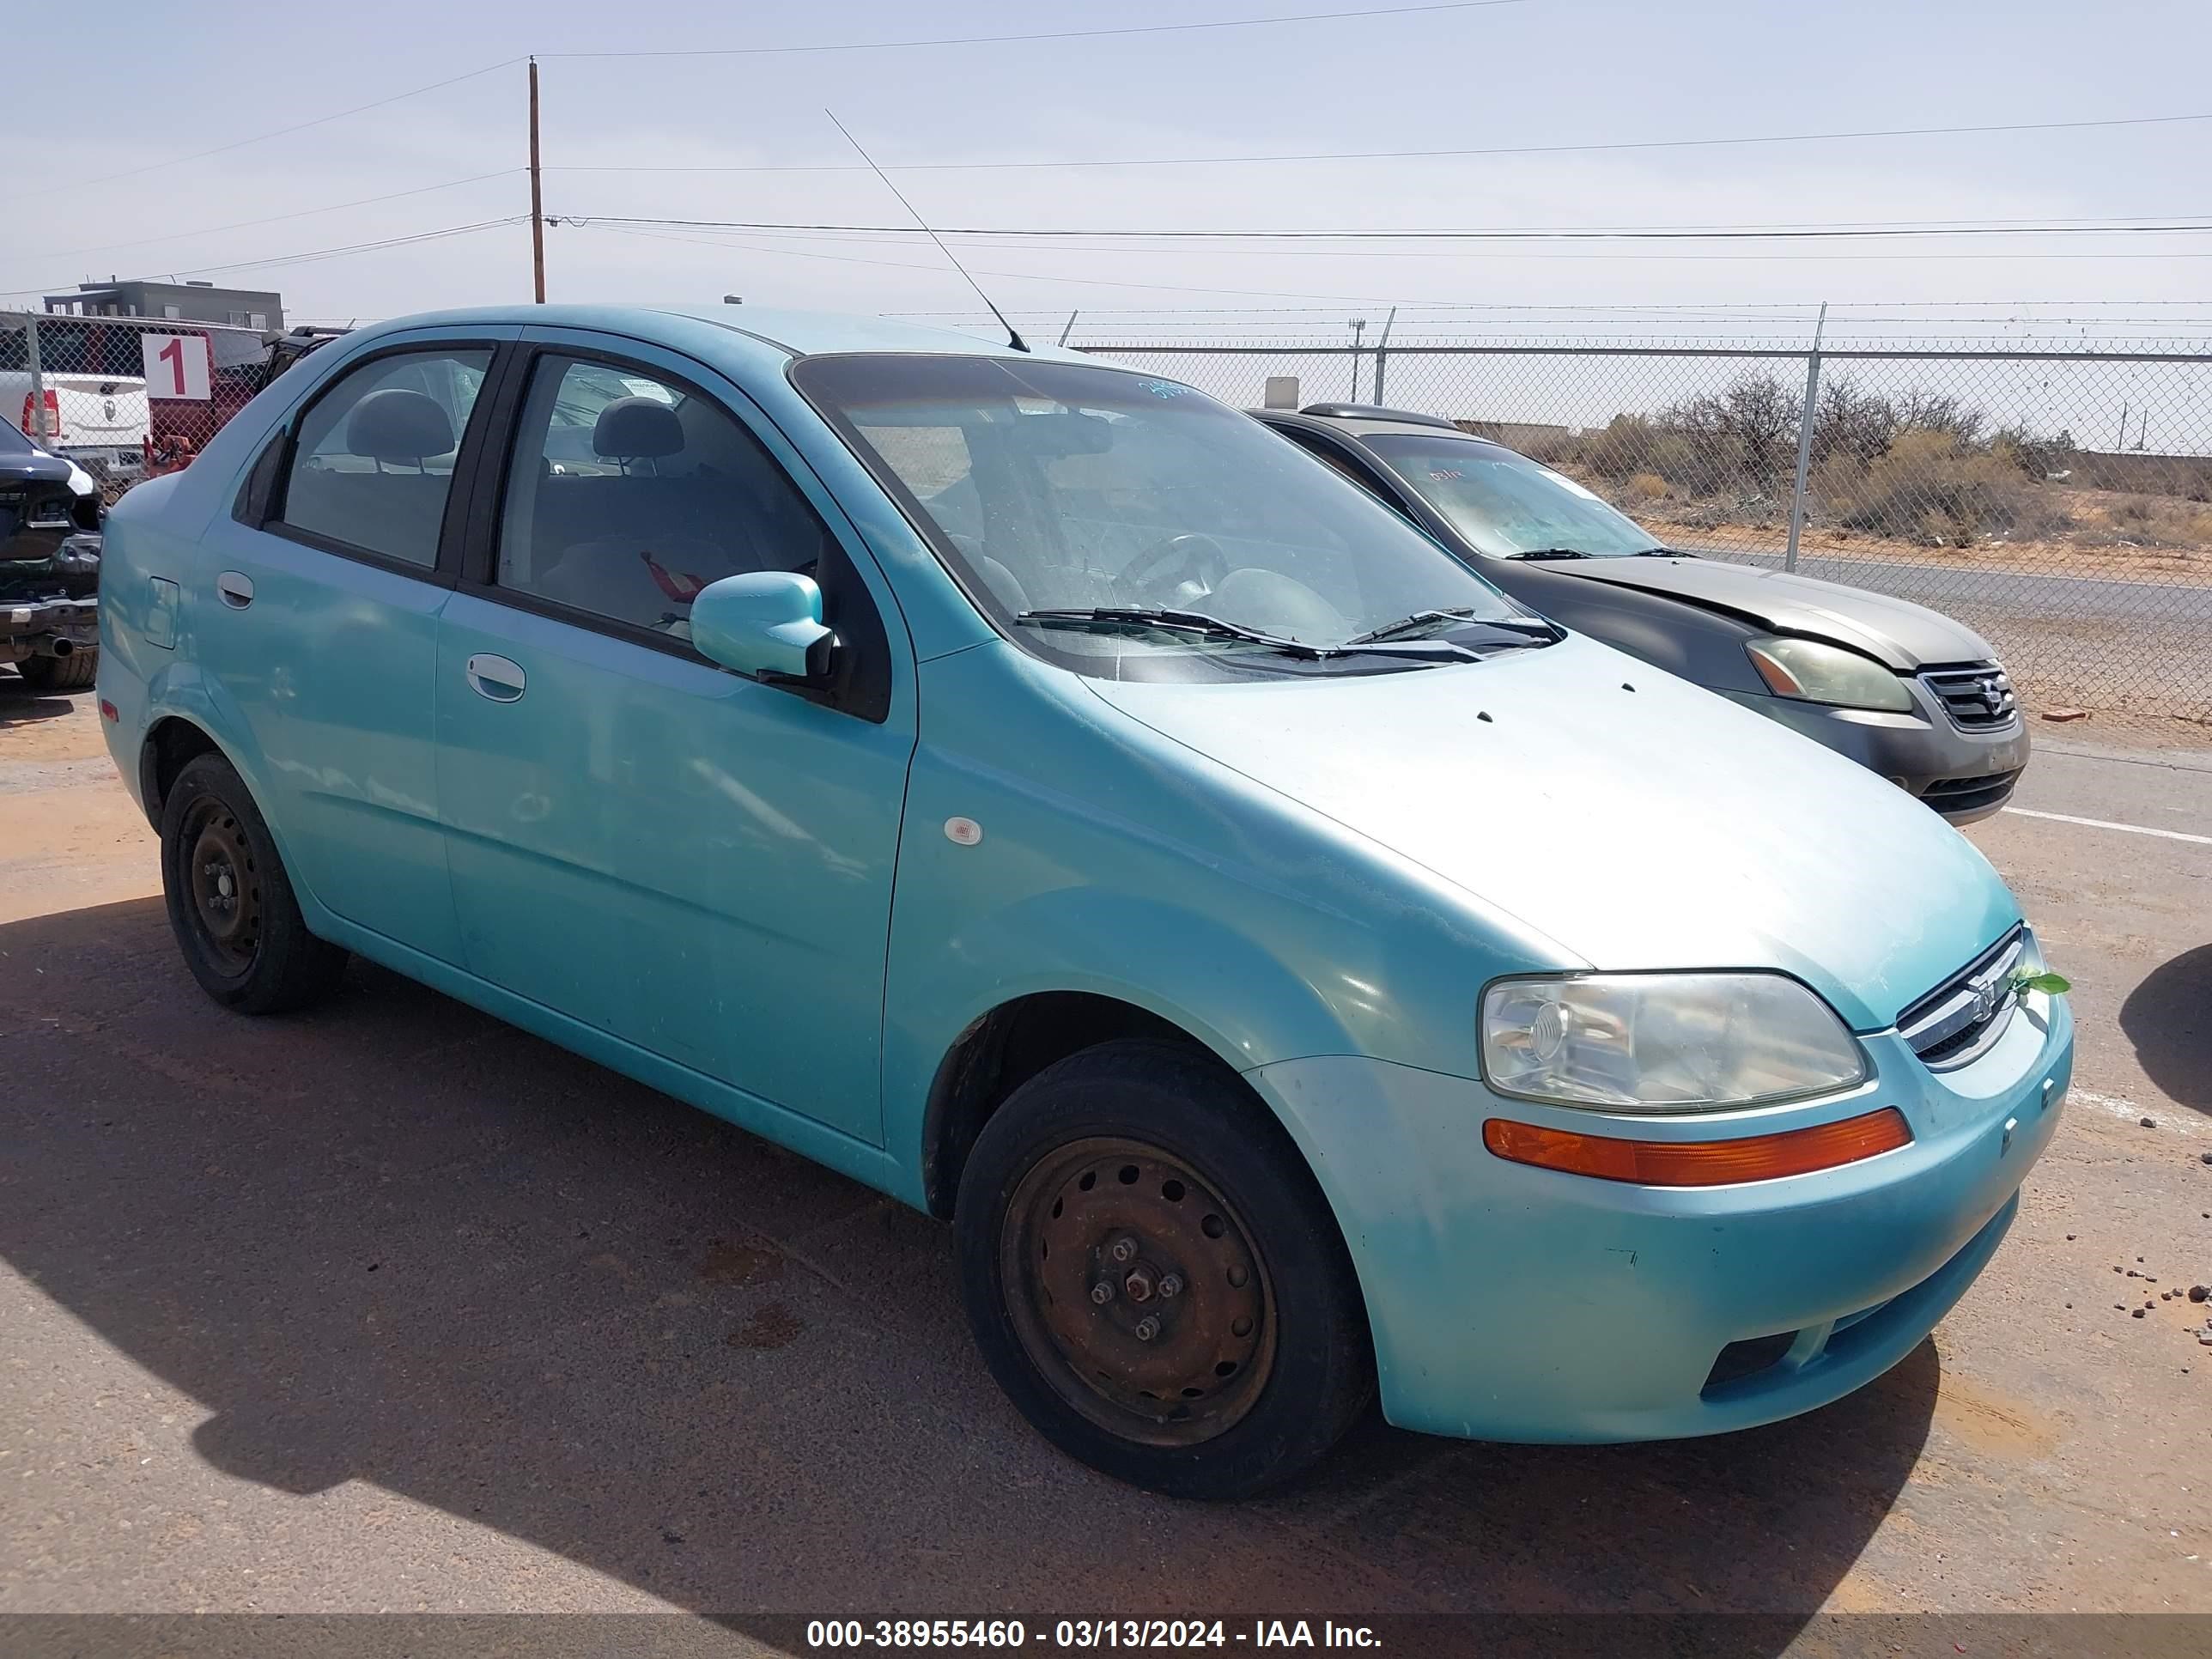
(496, 677)
(237, 590)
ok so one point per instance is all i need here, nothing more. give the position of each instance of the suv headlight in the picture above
(1812, 671)
(1664, 1043)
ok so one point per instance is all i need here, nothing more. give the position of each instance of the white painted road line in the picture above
(2102, 823)
(2181, 1121)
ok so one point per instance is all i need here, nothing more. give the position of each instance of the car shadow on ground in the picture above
(394, 1240)
(20, 704)
(2168, 1018)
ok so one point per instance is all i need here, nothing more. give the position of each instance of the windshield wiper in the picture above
(1661, 553)
(1182, 622)
(1528, 627)
(1216, 627)
(1551, 553)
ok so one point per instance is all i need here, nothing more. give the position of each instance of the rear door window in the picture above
(374, 461)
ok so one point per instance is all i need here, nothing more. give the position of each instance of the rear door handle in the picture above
(237, 590)
(496, 677)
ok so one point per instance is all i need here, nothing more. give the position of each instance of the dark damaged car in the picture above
(1903, 689)
(50, 543)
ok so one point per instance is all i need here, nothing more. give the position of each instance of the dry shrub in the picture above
(1647, 486)
(1932, 489)
(1628, 445)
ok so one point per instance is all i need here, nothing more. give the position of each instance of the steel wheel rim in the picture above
(1079, 1220)
(222, 881)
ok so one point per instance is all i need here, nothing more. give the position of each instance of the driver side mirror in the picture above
(766, 622)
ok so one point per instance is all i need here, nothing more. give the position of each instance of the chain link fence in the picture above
(2060, 502)
(126, 397)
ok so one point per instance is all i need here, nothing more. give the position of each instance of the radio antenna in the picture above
(1013, 337)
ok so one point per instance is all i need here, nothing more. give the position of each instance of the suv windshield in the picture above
(1057, 490)
(1505, 504)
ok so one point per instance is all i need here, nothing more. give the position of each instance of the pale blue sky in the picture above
(1545, 72)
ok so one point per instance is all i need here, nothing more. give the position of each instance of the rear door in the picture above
(315, 613)
(697, 863)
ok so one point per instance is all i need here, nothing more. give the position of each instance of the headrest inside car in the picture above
(637, 429)
(395, 424)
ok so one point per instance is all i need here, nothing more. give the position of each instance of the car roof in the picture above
(1380, 423)
(801, 333)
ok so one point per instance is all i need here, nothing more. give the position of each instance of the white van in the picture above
(100, 422)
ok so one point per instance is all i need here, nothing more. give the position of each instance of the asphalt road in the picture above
(391, 1307)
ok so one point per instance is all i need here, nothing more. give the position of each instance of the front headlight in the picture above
(1812, 671)
(1664, 1043)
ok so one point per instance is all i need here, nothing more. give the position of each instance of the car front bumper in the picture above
(1511, 1302)
(1964, 774)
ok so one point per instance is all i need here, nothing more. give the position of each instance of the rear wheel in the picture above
(230, 904)
(1156, 1281)
(75, 672)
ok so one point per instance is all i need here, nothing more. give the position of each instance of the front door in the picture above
(315, 615)
(695, 862)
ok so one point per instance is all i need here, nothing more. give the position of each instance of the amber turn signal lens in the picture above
(1699, 1163)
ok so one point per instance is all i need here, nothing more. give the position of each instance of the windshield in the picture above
(1505, 504)
(1066, 488)
(13, 442)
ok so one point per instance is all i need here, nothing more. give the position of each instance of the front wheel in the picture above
(230, 903)
(1155, 1279)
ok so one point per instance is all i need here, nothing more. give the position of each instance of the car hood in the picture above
(1658, 828)
(35, 466)
(1896, 632)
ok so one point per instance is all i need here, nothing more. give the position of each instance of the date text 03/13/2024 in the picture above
(1086, 1633)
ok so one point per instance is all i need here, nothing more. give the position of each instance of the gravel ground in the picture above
(390, 1307)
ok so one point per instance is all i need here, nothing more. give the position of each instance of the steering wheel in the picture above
(1188, 559)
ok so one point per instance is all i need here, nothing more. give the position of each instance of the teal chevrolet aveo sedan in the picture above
(1036, 791)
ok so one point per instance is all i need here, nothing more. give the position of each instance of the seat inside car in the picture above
(637, 542)
(375, 506)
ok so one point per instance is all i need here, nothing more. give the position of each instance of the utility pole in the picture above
(536, 197)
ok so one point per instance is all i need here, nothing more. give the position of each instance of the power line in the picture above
(260, 137)
(1054, 35)
(1371, 297)
(1011, 276)
(1656, 233)
(1425, 154)
(315, 255)
(283, 218)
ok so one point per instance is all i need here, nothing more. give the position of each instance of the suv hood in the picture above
(1661, 828)
(1898, 633)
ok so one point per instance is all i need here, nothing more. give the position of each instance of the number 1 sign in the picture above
(176, 366)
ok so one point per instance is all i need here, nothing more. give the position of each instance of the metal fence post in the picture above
(37, 427)
(1805, 439)
(1383, 352)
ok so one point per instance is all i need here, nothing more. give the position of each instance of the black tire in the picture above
(75, 672)
(230, 903)
(1263, 1360)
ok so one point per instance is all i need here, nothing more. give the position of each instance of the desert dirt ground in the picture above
(389, 1306)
